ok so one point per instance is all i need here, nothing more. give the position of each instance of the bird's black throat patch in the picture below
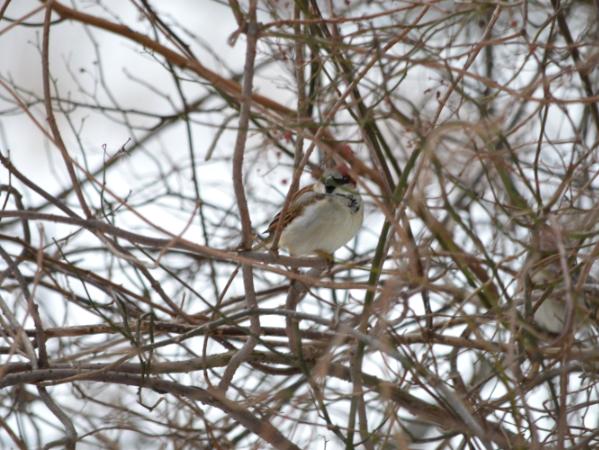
(352, 202)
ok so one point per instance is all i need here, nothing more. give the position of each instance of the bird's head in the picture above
(339, 177)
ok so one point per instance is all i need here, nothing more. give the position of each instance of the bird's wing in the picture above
(300, 200)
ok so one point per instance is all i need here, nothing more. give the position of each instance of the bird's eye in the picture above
(342, 180)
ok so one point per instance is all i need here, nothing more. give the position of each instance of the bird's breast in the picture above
(324, 225)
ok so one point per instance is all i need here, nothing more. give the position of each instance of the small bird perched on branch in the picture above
(550, 278)
(321, 217)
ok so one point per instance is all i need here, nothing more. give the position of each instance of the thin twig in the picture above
(238, 184)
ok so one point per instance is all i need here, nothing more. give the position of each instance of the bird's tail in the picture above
(261, 242)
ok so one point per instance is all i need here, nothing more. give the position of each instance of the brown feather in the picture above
(295, 209)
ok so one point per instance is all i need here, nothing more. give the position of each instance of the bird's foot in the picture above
(328, 258)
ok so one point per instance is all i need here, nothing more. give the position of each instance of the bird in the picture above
(321, 217)
(549, 290)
